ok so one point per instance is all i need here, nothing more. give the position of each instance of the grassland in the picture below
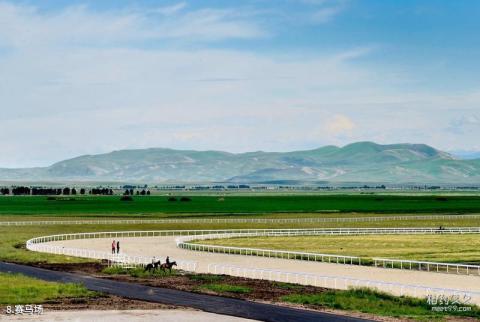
(457, 249)
(226, 288)
(358, 300)
(137, 272)
(13, 238)
(19, 289)
(374, 302)
(439, 248)
(159, 206)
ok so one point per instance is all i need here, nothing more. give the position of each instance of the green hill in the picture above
(358, 162)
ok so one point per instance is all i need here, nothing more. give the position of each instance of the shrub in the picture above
(126, 198)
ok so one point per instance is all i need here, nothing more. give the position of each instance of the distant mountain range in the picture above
(363, 162)
(466, 155)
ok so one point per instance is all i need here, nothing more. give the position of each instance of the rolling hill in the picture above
(363, 162)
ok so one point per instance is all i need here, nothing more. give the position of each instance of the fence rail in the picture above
(337, 282)
(340, 282)
(115, 259)
(182, 242)
(427, 266)
(260, 232)
(236, 220)
(456, 268)
(185, 236)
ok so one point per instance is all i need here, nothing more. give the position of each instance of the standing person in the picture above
(118, 247)
(113, 247)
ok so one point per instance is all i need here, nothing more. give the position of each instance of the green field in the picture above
(204, 205)
(438, 248)
(20, 289)
(13, 238)
(457, 248)
(378, 303)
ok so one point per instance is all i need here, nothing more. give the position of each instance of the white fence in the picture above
(260, 232)
(183, 242)
(317, 257)
(427, 266)
(115, 259)
(263, 232)
(235, 220)
(228, 233)
(340, 282)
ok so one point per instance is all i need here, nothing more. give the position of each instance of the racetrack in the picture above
(205, 302)
(161, 246)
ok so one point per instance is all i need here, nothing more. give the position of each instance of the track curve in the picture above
(167, 245)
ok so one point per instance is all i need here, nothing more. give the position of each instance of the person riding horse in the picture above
(168, 266)
(152, 266)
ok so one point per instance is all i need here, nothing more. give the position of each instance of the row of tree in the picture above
(17, 191)
(130, 192)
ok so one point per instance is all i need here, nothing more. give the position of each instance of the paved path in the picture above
(124, 316)
(162, 246)
(207, 303)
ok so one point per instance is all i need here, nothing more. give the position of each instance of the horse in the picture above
(168, 266)
(152, 266)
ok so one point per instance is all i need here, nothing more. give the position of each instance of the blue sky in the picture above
(83, 77)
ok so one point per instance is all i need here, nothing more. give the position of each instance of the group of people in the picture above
(115, 247)
(156, 264)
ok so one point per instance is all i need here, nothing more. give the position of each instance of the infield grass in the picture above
(13, 238)
(437, 248)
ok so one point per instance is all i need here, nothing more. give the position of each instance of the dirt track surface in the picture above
(207, 303)
(125, 316)
(162, 246)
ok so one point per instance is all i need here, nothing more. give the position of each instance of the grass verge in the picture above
(378, 303)
(136, 272)
(20, 289)
(208, 278)
(226, 288)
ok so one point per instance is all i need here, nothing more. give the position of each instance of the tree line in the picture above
(131, 192)
(66, 191)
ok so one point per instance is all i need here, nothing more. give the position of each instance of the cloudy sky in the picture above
(85, 77)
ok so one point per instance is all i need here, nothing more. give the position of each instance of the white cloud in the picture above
(339, 124)
(324, 11)
(75, 82)
(173, 9)
(26, 27)
(325, 14)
